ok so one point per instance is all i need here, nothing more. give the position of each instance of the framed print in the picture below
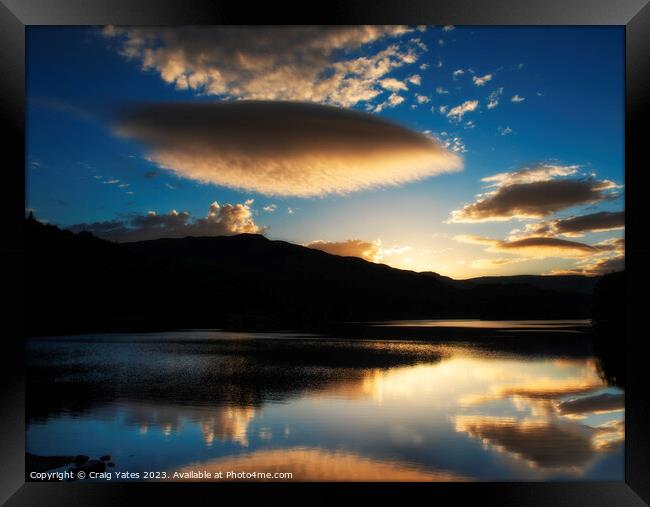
(386, 250)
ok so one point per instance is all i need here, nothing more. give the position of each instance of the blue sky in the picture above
(571, 81)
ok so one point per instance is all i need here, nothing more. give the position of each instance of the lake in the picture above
(332, 409)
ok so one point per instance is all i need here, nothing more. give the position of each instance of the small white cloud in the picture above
(418, 42)
(441, 91)
(454, 144)
(504, 131)
(448, 28)
(480, 81)
(517, 98)
(392, 101)
(493, 98)
(457, 73)
(270, 208)
(415, 79)
(422, 99)
(393, 84)
(457, 113)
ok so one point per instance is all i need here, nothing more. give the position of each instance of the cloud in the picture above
(473, 239)
(298, 63)
(415, 79)
(368, 250)
(517, 98)
(577, 226)
(457, 73)
(598, 265)
(222, 220)
(270, 208)
(596, 404)
(422, 99)
(545, 247)
(372, 251)
(494, 263)
(534, 193)
(448, 28)
(441, 91)
(481, 81)
(395, 100)
(494, 97)
(541, 247)
(504, 131)
(542, 172)
(283, 148)
(459, 111)
(543, 444)
(393, 84)
(452, 143)
(597, 259)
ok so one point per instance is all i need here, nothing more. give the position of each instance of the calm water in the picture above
(325, 409)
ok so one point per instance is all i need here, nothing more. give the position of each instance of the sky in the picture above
(468, 151)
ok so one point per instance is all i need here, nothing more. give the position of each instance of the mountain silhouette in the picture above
(80, 283)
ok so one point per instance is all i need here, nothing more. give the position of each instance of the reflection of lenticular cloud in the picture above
(598, 404)
(538, 396)
(543, 444)
(309, 465)
(610, 435)
(284, 148)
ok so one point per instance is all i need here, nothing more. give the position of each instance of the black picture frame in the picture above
(15, 15)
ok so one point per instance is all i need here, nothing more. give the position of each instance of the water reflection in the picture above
(326, 409)
(544, 444)
(223, 423)
(312, 465)
(558, 325)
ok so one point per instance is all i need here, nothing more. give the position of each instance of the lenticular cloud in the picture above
(284, 148)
